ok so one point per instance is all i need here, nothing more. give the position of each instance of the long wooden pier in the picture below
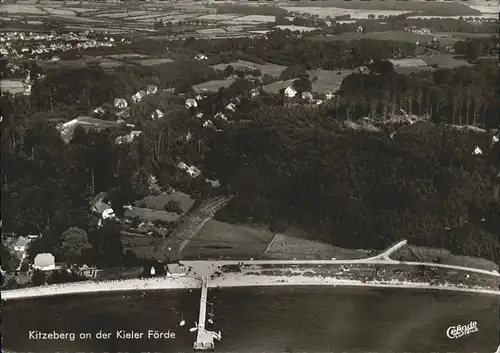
(205, 339)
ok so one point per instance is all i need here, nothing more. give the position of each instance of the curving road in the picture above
(205, 268)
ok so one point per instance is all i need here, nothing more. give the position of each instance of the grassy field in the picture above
(252, 19)
(218, 17)
(401, 36)
(409, 62)
(296, 28)
(447, 61)
(328, 80)
(268, 68)
(151, 62)
(288, 247)
(147, 214)
(213, 86)
(276, 86)
(219, 240)
(424, 254)
(142, 245)
(14, 86)
(158, 202)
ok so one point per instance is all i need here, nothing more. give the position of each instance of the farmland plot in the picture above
(214, 85)
(267, 68)
(327, 80)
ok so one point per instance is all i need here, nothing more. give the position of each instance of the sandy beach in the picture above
(227, 280)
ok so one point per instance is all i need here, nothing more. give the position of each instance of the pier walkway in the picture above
(205, 339)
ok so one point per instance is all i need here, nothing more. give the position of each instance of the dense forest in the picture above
(289, 165)
(294, 167)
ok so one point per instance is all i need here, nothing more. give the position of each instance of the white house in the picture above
(99, 110)
(208, 123)
(108, 213)
(213, 183)
(231, 107)
(138, 96)
(495, 139)
(198, 98)
(152, 89)
(220, 116)
(191, 103)
(254, 92)
(199, 115)
(193, 171)
(201, 57)
(44, 262)
(477, 151)
(157, 114)
(176, 270)
(120, 103)
(329, 95)
(290, 92)
(21, 244)
(182, 166)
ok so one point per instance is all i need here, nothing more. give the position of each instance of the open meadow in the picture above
(289, 247)
(327, 80)
(214, 85)
(219, 240)
(142, 246)
(158, 202)
(425, 254)
(267, 68)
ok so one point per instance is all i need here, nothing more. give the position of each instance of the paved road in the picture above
(189, 227)
(380, 259)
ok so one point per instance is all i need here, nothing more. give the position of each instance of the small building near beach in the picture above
(44, 262)
(176, 270)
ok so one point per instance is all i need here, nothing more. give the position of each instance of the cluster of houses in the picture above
(44, 261)
(24, 45)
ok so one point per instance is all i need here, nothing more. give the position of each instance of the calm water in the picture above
(268, 320)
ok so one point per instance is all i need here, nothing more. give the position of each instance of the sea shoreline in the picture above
(225, 281)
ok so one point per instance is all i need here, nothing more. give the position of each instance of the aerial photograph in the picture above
(250, 176)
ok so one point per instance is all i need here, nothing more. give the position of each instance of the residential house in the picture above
(193, 171)
(254, 92)
(127, 138)
(108, 213)
(152, 89)
(88, 272)
(176, 270)
(220, 116)
(213, 183)
(99, 111)
(21, 244)
(120, 103)
(477, 151)
(201, 57)
(208, 123)
(199, 115)
(182, 166)
(231, 107)
(198, 98)
(329, 95)
(157, 114)
(362, 70)
(290, 92)
(191, 103)
(136, 98)
(44, 262)
(307, 96)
